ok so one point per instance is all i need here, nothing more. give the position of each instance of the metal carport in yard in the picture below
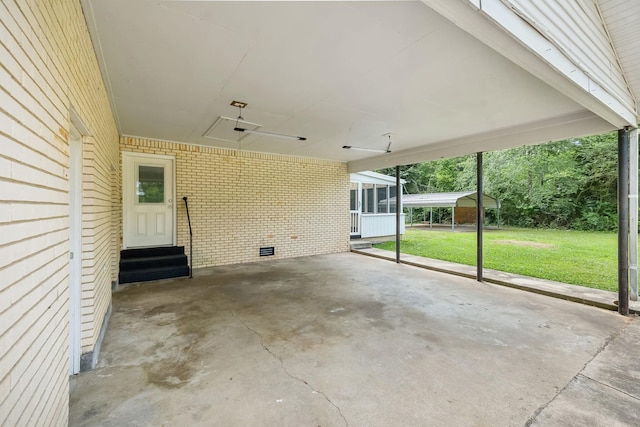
(453, 200)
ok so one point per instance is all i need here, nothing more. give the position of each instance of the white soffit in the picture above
(337, 73)
(560, 127)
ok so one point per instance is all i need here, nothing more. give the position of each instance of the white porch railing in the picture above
(355, 223)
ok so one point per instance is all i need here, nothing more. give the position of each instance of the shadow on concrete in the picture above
(589, 296)
(345, 339)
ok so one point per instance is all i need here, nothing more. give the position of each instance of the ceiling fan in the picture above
(237, 128)
(375, 150)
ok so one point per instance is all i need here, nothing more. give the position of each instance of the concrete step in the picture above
(129, 264)
(148, 274)
(151, 252)
(145, 264)
(360, 244)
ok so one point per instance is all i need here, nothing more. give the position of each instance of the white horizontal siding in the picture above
(576, 28)
(377, 225)
(622, 18)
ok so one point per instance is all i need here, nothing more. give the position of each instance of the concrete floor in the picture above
(347, 339)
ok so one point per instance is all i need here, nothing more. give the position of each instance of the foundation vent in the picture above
(267, 251)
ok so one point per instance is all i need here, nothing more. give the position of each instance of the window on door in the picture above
(150, 185)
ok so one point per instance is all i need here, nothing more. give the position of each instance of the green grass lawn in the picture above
(581, 258)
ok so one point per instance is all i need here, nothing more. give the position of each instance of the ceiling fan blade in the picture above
(374, 150)
(272, 134)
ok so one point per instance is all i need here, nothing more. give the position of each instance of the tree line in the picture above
(564, 184)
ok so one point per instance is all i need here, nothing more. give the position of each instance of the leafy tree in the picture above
(567, 184)
(597, 159)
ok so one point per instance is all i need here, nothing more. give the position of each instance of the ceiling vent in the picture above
(222, 129)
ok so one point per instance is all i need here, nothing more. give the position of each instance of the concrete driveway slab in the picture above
(618, 365)
(335, 340)
(585, 402)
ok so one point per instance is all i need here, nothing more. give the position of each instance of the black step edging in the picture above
(130, 264)
(145, 264)
(151, 252)
(145, 275)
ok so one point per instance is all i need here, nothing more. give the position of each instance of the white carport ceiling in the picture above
(338, 73)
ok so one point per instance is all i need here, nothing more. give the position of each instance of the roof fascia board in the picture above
(428, 205)
(499, 27)
(371, 177)
(574, 125)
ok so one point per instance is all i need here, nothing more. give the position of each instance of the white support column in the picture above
(633, 214)
(453, 216)
(431, 218)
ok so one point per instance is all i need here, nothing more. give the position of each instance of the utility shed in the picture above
(456, 199)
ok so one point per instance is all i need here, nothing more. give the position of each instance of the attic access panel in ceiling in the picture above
(222, 129)
(296, 62)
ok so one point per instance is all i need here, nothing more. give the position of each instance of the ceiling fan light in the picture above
(374, 150)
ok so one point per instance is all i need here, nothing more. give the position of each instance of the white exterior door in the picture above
(355, 208)
(148, 200)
